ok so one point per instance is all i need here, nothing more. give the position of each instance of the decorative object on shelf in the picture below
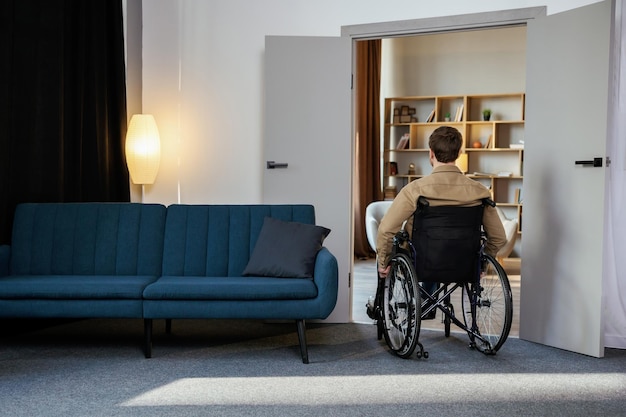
(396, 115)
(390, 192)
(461, 162)
(477, 144)
(447, 118)
(486, 114)
(411, 169)
(407, 114)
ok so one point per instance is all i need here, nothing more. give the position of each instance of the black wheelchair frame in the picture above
(487, 303)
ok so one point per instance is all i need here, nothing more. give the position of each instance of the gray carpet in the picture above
(247, 368)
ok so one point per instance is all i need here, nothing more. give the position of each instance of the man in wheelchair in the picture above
(445, 187)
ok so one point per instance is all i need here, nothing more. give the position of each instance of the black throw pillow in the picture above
(286, 249)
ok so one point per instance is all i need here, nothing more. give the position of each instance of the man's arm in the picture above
(400, 210)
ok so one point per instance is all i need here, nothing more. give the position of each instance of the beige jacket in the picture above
(445, 186)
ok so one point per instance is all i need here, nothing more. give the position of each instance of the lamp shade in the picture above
(143, 149)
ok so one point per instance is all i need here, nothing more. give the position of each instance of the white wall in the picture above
(203, 80)
(477, 62)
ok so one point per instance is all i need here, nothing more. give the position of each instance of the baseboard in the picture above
(615, 341)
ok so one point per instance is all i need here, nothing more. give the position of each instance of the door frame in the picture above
(427, 26)
(435, 25)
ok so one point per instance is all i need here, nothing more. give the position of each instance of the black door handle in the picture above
(272, 165)
(597, 162)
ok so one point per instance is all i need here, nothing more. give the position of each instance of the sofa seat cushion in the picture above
(230, 288)
(74, 286)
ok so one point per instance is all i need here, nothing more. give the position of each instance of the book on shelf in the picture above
(483, 174)
(505, 174)
(431, 116)
(459, 113)
(516, 146)
(403, 142)
(391, 168)
(488, 141)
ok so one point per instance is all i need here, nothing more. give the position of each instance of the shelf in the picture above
(490, 150)
(407, 150)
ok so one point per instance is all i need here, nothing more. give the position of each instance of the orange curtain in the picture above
(367, 165)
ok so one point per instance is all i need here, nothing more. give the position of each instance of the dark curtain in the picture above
(62, 104)
(367, 166)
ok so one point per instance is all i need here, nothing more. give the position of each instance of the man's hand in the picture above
(383, 272)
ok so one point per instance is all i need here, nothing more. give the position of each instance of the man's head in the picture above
(445, 143)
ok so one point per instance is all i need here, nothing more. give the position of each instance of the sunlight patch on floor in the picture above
(380, 389)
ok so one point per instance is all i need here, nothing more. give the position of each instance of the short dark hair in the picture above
(445, 142)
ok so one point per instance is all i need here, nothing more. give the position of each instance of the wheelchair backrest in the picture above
(447, 242)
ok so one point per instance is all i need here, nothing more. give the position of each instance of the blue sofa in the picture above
(128, 260)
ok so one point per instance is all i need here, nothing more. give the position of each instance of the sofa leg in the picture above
(147, 331)
(168, 326)
(302, 339)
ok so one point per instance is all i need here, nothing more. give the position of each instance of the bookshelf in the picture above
(494, 147)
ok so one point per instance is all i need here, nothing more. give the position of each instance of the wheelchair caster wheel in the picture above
(379, 329)
(421, 353)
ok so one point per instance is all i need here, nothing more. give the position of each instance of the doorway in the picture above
(452, 56)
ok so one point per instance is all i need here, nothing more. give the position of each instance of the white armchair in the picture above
(510, 229)
(373, 215)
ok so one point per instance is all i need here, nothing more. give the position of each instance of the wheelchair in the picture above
(445, 254)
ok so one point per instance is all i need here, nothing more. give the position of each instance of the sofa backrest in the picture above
(217, 240)
(87, 239)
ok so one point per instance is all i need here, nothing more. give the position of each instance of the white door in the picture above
(308, 124)
(563, 212)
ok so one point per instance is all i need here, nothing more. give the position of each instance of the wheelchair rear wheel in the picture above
(488, 307)
(401, 307)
